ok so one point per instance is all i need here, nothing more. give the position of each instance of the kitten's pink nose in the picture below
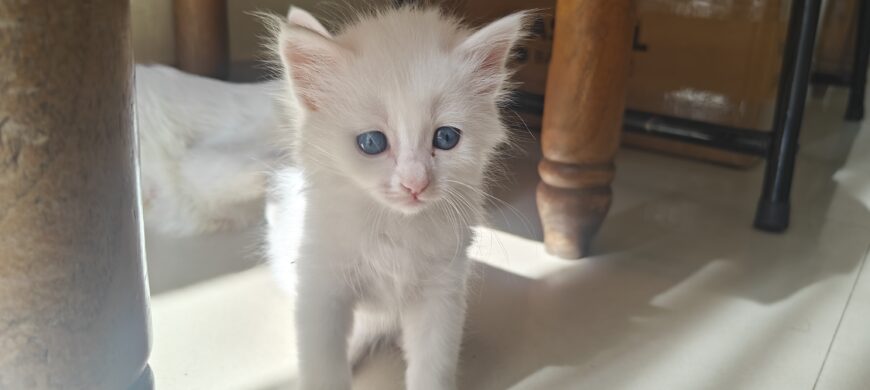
(413, 176)
(415, 186)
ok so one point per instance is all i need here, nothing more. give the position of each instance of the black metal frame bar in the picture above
(700, 133)
(831, 79)
(775, 203)
(858, 81)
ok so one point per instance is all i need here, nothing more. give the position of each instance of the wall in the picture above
(153, 39)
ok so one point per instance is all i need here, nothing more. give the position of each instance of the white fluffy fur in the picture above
(204, 149)
(373, 263)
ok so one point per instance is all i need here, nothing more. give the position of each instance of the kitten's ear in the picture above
(302, 18)
(308, 53)
(489, 49)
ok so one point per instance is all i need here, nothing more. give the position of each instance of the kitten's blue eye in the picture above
(446, 137)
(372, 142)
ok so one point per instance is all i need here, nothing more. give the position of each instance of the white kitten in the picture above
(204, 149)
(399, 121)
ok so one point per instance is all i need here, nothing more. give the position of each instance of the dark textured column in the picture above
(73, 295)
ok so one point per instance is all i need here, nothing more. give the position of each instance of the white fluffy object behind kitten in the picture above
(399, 121)
(205, 149)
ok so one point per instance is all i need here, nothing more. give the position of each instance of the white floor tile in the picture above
(230, 333)
(680, 293)
(846, 365)
(745, 314)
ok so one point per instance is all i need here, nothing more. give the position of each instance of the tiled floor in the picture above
(681, 294)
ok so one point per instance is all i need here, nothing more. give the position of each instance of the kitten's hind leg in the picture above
(371, 332)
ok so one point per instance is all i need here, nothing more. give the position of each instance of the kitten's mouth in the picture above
(412, 200)
(407, 203)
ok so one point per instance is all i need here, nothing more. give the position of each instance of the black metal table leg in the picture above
(774, 206)
(855, 109)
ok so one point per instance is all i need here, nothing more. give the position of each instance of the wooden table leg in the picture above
(73, 295)
(583, 110)
(201, 37)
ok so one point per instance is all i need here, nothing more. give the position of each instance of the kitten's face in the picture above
(402, 104)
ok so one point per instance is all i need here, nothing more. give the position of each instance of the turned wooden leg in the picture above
(201, 37)
(583, 110)
(73, 298)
